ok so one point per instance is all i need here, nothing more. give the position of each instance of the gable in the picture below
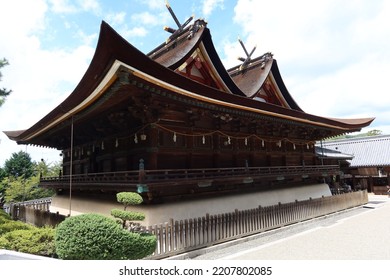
(199, 69)
(270, 93)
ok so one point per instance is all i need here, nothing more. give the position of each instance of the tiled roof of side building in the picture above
(367, 151)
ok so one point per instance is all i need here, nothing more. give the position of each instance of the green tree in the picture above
(374, 132)
(3, 92)
(21, 178)
(47, 170)
(20, 164)
(2, 188)
(19, 189)
(2, 174)
(128, 217)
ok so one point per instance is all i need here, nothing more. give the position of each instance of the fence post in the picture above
(207, 228)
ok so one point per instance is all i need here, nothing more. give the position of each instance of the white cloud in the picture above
(87, 39)
(90, 5)
(62, 6)
(15, 20)
(154, 4)
(39, 78)
(208, 6)
(116, 18)
(133, 32)
(69, 7)
(146, 19)
(333, 55)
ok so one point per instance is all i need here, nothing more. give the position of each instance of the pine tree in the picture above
(3, 91)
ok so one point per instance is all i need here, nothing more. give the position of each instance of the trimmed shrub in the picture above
(139, 245)
(38, 241)
(97, 237)
(11, 225)
(127, 215)
(129, 198)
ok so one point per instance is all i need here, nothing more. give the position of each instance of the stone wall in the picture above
(161, 213)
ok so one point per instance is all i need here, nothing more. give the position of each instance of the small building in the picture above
(187, 134)
(369, 166)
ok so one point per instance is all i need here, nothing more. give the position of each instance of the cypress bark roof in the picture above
(117, 65)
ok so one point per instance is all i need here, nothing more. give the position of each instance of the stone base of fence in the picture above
(36, 217)
(35, 212)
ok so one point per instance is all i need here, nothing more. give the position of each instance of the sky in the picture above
(333, 55)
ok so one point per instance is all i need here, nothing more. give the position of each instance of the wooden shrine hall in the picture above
(174, 125)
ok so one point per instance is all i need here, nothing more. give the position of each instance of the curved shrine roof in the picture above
(114, 55)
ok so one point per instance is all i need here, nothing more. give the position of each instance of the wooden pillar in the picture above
(152, 160)
(370, 184)
(190, 147)
(216, 151)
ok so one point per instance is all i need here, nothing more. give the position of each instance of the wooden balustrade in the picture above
(151, 176)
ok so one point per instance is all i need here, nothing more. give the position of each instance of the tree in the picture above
(3, 92)
(128, 217)
(2, 187)
(2, 174)
(18, 189)
(374, 132)
(22, 189)
(21, 176)
(20, 164)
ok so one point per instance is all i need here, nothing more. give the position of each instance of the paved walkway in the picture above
(359, 234)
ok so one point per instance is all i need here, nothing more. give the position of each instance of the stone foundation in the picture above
(160, 213)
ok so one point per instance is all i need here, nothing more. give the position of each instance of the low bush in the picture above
(10, 225)
(4, 215)
(4, 220)
(139, 245)
(38, 241)
(97, 237)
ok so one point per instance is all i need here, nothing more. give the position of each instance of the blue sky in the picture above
(333, 54)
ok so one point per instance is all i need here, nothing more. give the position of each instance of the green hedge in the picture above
(21, 237)
(97, 237)
(38, 241)
(10, 225)
(4, 220)
(4, 215)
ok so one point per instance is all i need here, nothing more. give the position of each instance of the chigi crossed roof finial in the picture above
(180, 26)
(247, 60)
